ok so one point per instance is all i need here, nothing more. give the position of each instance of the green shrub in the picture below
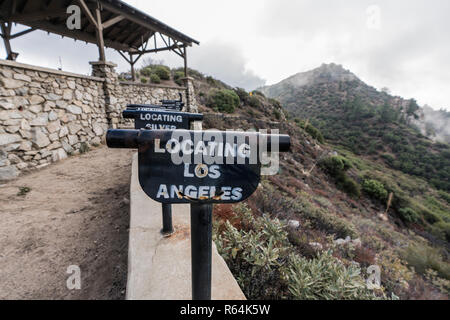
(441, 230)
(348, 185)
(313, 131)
(325, 278)
(265, 265)
(147, 71)
(163, 72)
(409, 215)
(335, 165)
(277, 114)
(223, 100)
(144, 80)
(258, 93)
(243, 95)
(375, 189)
(84, 147)
(177, 77)
(154, 78)
(254, 102)
(444, 195)
(423, 257)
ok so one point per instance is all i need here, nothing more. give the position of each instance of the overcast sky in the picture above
(403, 45)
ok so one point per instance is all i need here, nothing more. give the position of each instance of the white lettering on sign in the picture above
(161, 117)
(196, 192)
(153, 126)
(202, 171)
(206, 148)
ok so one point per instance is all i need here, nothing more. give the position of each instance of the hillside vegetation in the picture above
(317, 228)
(365, 121)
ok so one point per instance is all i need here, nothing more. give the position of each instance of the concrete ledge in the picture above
(151, 85)
(160, 268)
(14, 64)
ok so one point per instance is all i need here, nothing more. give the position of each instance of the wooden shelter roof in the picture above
(107, 23)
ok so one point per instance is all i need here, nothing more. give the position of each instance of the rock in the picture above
(97, 128)
(11, 122)
(19, 76)
(35, 108)
(35, 99)
(10, 83)
(67, 95)
(74, 128)
(63, 132)
(14, 159)
(12, 129)
(67, 147)
(6, 139)
(42, 120)
(8, 173)
(357, 242)
(25, 125)
(53, 137)
(294, 224)
(6, 105)
(53, 97)
(54, 126)
(25, 146)
(58, 155)
(15, 115)
(49, 105)
(340, 242)
(316, 245)
(54, 145)
(71, 84)
(52, 116)
(39, 138)
(73, 139)
(4, 162)
(74, 109)
(22, 165)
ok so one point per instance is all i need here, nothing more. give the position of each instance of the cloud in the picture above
(226, 62)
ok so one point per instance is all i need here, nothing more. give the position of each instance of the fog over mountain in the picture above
(432, 123)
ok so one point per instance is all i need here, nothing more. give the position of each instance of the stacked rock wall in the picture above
(46, 115)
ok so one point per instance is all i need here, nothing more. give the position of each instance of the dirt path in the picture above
(76, 213)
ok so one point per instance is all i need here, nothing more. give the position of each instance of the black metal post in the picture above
(167, 229)
(201, 247)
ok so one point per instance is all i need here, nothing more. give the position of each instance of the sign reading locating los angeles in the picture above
(181, 166)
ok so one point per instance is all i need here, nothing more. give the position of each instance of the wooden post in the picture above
(100, 42)
(6, 35)
(133, 73)
(185, 62)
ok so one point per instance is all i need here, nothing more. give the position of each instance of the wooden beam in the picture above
(185, 62)
(76, 34)
(112, 21)
(21, 33)
(101, 43)
(141, 22)
(36, 16)
(6, 33)
(88, 12)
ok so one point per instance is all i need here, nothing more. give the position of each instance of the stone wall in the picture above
(46, 115)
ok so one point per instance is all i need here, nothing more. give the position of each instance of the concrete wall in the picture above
(46, 114)
(160, 268)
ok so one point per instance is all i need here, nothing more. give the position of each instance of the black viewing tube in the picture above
(130, 139)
